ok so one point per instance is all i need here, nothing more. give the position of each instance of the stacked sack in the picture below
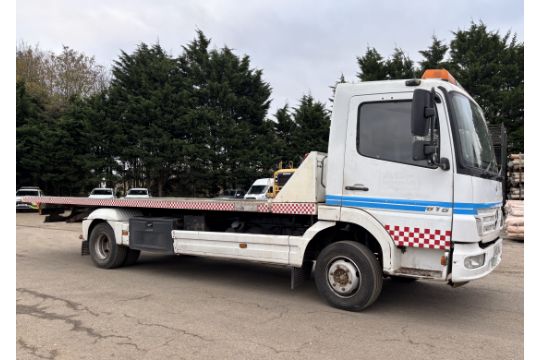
(515, 174)
(514, 224)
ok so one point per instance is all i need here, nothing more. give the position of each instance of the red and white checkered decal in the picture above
(157, 203)
(263, 208)
(294, 208)
(420, 238)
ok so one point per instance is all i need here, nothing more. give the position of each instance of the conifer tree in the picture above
(143, 100)
(312, 128)
(434, 55)
(490, 66)
(399, 66)
(372, 66)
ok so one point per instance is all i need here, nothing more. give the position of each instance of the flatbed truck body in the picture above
(394, 197)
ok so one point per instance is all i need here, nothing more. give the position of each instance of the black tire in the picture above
(346, 257)
(104, 251)
(131, 257)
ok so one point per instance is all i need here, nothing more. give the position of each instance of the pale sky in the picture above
(301, 46)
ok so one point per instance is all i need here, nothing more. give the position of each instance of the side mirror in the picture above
(423, 108)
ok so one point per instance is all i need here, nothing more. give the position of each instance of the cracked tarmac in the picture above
(187, 307)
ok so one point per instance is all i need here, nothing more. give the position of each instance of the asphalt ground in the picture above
(180, 307)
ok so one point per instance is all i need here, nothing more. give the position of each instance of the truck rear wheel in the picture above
(348, 275)
(104, 251)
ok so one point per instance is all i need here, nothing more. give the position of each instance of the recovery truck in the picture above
(408, 190)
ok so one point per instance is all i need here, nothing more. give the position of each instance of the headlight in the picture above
(473, 262)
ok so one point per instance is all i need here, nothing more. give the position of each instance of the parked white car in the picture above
(259, 189)
(138, 193)
(102, 193)
(27, 191)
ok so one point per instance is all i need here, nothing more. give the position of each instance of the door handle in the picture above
(359, 187)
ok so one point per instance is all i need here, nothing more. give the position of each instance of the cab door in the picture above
(412, 199)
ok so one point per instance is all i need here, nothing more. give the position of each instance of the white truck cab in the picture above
(259, 189)
(416, 157)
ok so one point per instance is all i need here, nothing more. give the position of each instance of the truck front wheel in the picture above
(104, 251)
(348, 275)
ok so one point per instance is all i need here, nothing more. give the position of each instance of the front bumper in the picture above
(493, 255)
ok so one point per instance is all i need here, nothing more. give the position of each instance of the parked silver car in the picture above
(27, 191)
(102, 193)
(138, 193)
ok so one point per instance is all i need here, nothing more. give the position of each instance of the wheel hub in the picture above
(343, 277)
(103, 247)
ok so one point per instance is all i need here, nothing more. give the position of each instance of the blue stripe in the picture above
(382, 205)
(391, 201)
(465, 211)
(407, 205)
(477, 206)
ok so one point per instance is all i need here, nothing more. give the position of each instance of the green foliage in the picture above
(341, 80)
(191, 125)
(227, 103)
(143, 104)
(434, 56)
(298, 131)
(31, 120)
(284, 128)
(372, 66)
(399, 66)
(490, 66)
(52, 151)
(312, 128)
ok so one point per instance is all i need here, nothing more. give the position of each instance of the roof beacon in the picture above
(440, 74)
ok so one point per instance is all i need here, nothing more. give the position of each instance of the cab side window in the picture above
(384, 132)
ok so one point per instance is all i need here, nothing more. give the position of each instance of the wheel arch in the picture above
(357, 225)
(116, 218)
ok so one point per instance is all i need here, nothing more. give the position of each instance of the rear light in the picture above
(444, 260)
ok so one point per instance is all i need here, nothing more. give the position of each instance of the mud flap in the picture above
(85, 248)
(300, 274)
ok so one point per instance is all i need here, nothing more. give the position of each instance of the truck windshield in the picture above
(475, 142)
(257, 189)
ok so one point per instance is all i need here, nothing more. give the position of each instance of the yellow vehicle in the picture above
(281, 176)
